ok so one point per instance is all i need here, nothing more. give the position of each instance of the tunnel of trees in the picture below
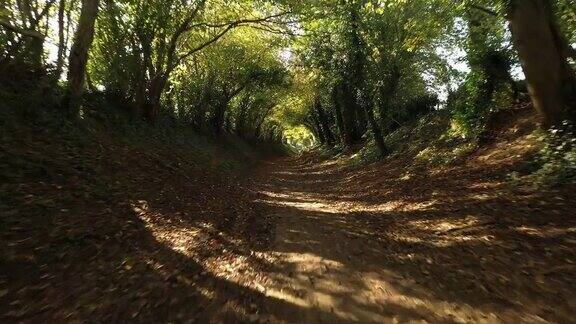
(287, 161)
(347, 70)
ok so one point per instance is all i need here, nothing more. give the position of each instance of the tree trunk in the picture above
(350, 109)
(340, 122)
(241, 119)
(355, 76)
(260, 122)
(551, 82)
(61, 40)
(79, 57)
(152, 109)
(89, 83)
(325, 125)
(220, 107)
(368, 106)
(218, 118)
(139, 104)
(36, 50)
(317, 129)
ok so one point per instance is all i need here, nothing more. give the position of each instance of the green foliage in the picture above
(566, 15)
(557, 157)
(486, 87)
(368, 61)
(351, 72)
(472, 104)
(104, 131)
(427, 140)
(299, 139)
(237, 82)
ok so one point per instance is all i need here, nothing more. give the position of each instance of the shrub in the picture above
(557, 157)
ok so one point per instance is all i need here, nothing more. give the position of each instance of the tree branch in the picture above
(484, 10)
(21, 31)
(255, 20)
(14, 48)
(172, 60)
(272, 30)
(42, 14)
(29, 32)
(229, 27)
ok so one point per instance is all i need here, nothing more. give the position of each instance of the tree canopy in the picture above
(344, 70)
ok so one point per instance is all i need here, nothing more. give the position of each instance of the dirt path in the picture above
(417, 249)
(297, 240)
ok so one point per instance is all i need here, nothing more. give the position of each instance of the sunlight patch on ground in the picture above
(543, 232)
(485, 185)
(179, 238)
(307, 206)
(331, 287)
(447, 232)
(188, 239)
(343, 207)
(304, 279)
(508, 152)
(299, 172)
(444, 225)
(308, 202)
(192, 240)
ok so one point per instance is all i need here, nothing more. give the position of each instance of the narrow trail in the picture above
(296, 240)
(418, 249)
(329, 264)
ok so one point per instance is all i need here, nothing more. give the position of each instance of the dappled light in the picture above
(418, 257)
(299, 139)
(294, 161)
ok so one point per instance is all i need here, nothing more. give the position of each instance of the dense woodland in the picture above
(255, 68)
(149, 107)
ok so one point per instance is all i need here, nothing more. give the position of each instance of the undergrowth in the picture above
(556, 161)
(26, 119)
(50, 165)
(428, 141)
